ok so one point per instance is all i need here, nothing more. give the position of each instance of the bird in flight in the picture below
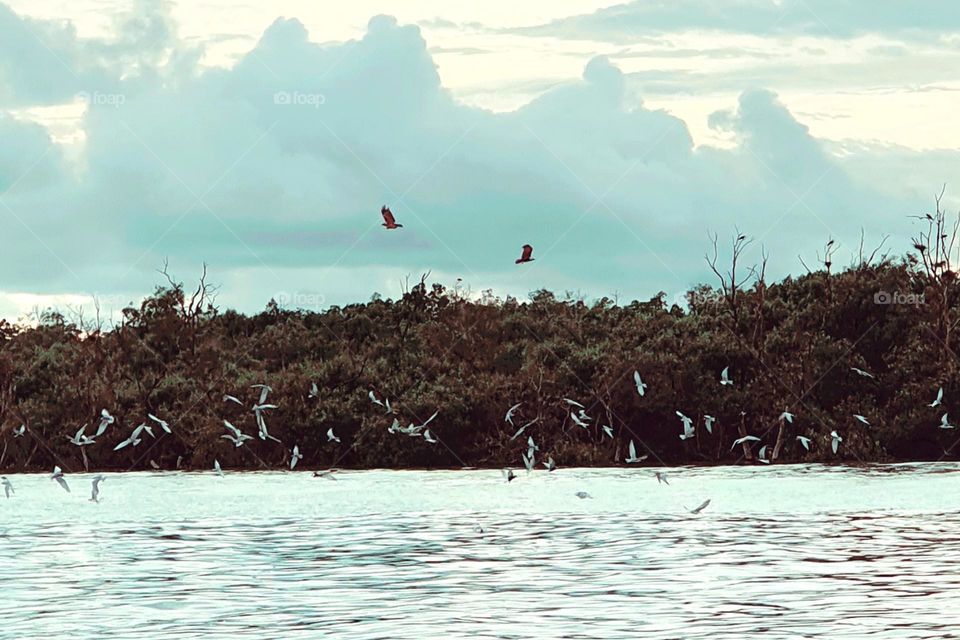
(661, 477)
(235, 436)
(7, 487)
(525, 256)
(762, 455)
(633, 454)
(19, 431)
(702, 506)
(388, 220)
(641, 385)
(295, 457)
(862, 419)
(786, 415)
(744, 439)
(216, 468)
(944, 423)
(331, 437)
(314, 391)
(522, 429)
(550, 464)
(105, 421)
(725, 376)
(95, 490)
(861, 372)
(804, 441)
(938, 400)
(509, 474)
(510, 412)
(835, 440)
(163, 423)
(58, 476)
(582, 495)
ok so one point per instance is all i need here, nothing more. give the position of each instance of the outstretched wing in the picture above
(527, 252)
(388, 216)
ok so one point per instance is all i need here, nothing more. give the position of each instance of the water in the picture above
(789, 552)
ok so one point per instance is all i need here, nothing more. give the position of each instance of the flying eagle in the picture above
(388, 220)
(525, 256)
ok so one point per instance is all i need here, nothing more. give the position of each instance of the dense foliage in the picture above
(789, 346)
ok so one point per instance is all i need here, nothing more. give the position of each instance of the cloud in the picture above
(274, 171)
(826, 18)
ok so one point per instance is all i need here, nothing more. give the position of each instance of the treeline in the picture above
(790, 346)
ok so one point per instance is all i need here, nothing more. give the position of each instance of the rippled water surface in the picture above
(786, 552)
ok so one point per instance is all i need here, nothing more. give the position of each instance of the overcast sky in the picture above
(263, 138)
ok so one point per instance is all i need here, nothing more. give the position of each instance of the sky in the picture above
(262, 139)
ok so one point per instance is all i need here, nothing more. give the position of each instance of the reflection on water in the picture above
(788, 552)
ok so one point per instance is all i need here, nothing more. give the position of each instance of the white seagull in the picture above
(163, 423)
(944, 424)
(835, 440)
(295, 456)
(578, 421)
(550, 464)
(762, 456)
(641, 385)
(314, 391)
(510, 412)
(861, 372)
(228, 398)
(105, 421)
(264, 390)
(79, 438)
(688, 429)
(331, 437)
(58, 476)
(725, 376)
(508, 474)
(216, 468)
(608, 431)
(7, 487)
(134, 438)
(95, 489)
(804, 441)
(708, 421)
(527, 462)
(661, 477)
(19, 431)
(786, 415)
(744, 439)
(373, 398)
(235, 436)
(522, 429)
(938, 400)
(573, 403)
(862, 419)
(429, 437)
(632, 449)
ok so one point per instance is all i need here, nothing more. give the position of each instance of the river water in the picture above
(784, 551)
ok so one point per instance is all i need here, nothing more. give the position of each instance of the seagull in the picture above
(429, 437)
(236, 436)
(525, 256)
(95, 491)
(944, 424)
(105, 421)
(550, 464)
(154, 465)
(7, 487)
(573, 403)
(786, 415)
(508, 474)
(607, 430)
(262, 423)
(708, 421)
(510, 412)
(861, 372)
(229, 398)
(388, 220)
(264, 390)
(216, 468)
(703, 505)
(314, 391)
(577, 421)
(938, 400)
(58, 476)
(725, 376)
(862, 419)
(373, 399)
(20, 431)
(163, 424)
(744, 439)
(835, 440)
(328, 474)
(531, 446)
(661, 477)
(522, 429)
(641, 385)
(80, 439)
(582, 495)
(429, 420)
(804, 441)
(134, 438)
(630, 459)
(386, 402)
(331, 437)
(762, 456)
(295, 456)
(688, 430)
(527, 462)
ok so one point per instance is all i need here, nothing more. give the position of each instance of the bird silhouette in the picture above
(525, 256)
(388, 220)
